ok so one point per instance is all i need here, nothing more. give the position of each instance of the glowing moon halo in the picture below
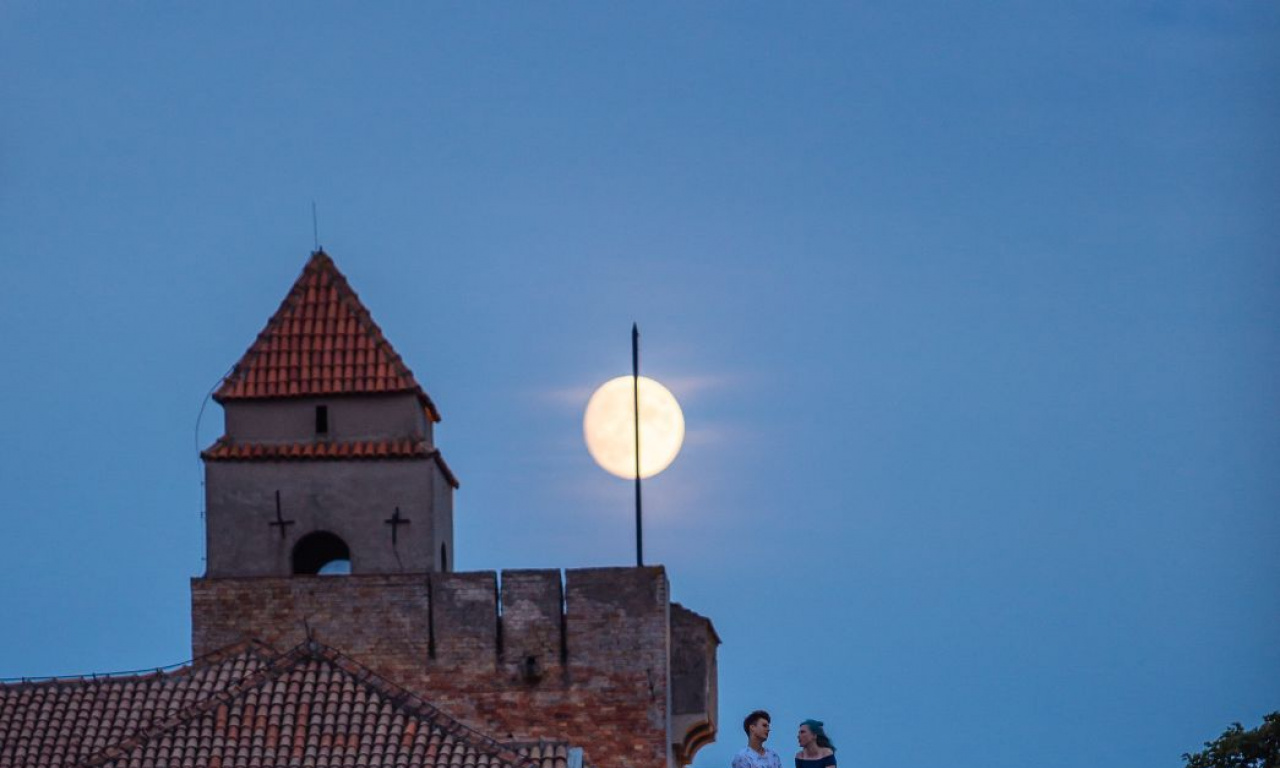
(608, 426)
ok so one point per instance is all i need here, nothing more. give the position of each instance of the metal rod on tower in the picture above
(635, 401)
(315, 225)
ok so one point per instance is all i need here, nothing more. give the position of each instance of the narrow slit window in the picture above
(322, 419)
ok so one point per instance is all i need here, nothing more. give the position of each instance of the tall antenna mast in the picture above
(635, 402)
(315, 225)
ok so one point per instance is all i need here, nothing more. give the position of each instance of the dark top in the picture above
(822, 762)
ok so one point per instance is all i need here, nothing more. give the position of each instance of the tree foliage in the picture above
(1238, 748)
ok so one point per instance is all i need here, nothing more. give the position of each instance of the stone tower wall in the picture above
(694, 682)
(351, 499)
(350, 417)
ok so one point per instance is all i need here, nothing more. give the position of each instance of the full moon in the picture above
(609, 427)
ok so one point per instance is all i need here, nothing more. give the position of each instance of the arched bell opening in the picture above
(321, 553)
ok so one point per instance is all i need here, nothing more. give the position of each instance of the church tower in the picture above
(328, 463)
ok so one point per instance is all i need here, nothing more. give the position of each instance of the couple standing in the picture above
(816, 750)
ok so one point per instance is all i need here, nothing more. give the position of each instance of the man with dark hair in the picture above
(756, 754)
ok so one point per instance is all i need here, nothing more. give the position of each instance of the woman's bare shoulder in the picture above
(823, 752)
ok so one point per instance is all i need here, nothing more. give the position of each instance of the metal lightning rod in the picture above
(315, 226)
(635, 402)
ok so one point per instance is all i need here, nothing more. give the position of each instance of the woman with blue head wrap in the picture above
(816, 749)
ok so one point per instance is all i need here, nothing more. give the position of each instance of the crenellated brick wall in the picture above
(521, 655)
(383, 621)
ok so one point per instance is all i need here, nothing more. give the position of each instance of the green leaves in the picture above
(1238, 748)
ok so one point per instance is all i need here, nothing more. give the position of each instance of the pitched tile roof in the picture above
(321, 341)
(65, 721)
(547, 754)
(309, 706)
(225, 450)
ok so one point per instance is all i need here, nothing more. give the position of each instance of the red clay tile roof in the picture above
(310, 706)
(547, 754)
(321, 341)
(225, 450)
(56, 723)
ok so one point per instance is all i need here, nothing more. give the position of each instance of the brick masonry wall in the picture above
(380, 620)
(596, 673)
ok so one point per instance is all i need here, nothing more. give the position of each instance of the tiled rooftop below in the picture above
(310, 706)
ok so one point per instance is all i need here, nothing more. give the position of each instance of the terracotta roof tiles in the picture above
(547, 754)
(62, 722)
(225, 450)
(321, 341)
(310, 706)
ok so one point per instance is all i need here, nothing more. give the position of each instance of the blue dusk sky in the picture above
(973, 311)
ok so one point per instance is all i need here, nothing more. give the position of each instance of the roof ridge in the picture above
(400, 698)
(217, 656)
(408, 701)
(263, 650)
(272, 668)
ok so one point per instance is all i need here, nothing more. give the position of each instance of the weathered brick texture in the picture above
(464, 621)
(381, 620)
(533, 642)
(597, 673)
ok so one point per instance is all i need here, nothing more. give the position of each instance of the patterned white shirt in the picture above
(749, 758)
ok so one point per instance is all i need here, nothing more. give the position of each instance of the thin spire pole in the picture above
(315, 225)
(635, 402)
